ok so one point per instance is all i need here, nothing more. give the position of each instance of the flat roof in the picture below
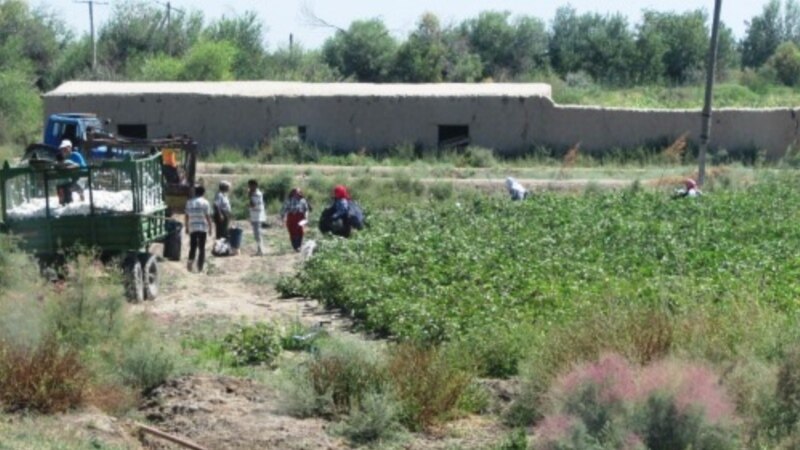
(298, 89)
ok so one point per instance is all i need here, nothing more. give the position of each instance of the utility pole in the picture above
(705, 132)
(169, 24)
(91, 28)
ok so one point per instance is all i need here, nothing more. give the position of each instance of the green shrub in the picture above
(145, 366)
(375, 419)
(335, 379)
(405, 184)
(298, 336)
(786, 63)
(479, 157)
(441, 191)
(89, 312)
(787, 391)
(427, 386)
(516, 440)
(259, 343)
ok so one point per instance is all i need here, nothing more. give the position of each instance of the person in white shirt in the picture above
(198, 225)
(222, 210)
(257, 216)
(515, 189)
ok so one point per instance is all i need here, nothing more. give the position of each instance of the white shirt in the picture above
(222, 202)
(197, 210)
(257, 207)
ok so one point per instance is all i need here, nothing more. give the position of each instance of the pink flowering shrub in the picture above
(610, 404)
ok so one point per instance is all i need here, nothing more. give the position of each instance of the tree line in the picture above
(139, 42)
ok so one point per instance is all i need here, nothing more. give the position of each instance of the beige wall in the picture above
(507, 123)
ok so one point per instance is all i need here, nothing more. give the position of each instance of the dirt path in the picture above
(235, 288)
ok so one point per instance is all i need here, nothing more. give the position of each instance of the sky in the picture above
(285, 17)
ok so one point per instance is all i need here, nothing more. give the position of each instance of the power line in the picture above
(91, 28)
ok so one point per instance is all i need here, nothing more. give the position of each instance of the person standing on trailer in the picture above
(295, 215)
(257, 216)
(198, 225)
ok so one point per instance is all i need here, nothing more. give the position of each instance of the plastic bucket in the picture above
(172, 244)
(235, 237)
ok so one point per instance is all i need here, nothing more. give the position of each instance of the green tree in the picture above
(297, 64)
(247, 34)
(461, 63)
(34, 38)
(138, 29)
(529, 48)
(786, 64)
(682, 42)
(422, 58)
(209, 61)
(764, 34)
(491, 37)
(20, 107)
(602, 46)
(365, 51)
(160, 68)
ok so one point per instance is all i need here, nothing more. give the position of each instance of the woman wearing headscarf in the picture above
(690, 189)
(295, 215)
(341, 211)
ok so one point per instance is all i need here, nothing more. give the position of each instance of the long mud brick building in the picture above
(508, 117)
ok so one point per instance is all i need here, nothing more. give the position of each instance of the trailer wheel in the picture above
(151, 272)
(134, 279)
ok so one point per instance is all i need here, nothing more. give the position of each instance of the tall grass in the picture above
(65, 343)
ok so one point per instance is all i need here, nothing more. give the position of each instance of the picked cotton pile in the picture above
(104, 201)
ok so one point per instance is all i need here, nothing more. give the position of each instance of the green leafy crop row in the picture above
(493, 267)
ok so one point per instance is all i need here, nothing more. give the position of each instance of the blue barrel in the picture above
(235, 237)
(172, 244)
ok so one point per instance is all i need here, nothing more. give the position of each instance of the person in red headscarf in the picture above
(295, 215)
(690, 189)
(341, 211)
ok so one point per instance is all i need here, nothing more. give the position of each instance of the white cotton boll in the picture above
(104, 201)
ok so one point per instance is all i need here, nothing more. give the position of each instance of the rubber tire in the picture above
(151, 275)
(134, 279)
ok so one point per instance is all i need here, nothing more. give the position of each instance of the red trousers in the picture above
(295, 230)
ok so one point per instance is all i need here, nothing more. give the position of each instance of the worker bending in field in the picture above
(690, 189)
(198, 225)
(295, 215)
(515, 189)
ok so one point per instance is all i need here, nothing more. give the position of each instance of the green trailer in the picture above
(115, 208)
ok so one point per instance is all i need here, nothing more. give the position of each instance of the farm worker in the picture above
(257, 216)
(517, 191)
(222, 210)
(72, 159)
(70, 154)
(198, 225)
(295, 215)
(169, 165)
(690, 189)
(341, 210)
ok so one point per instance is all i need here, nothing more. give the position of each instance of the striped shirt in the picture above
(197, 212)
(294, 205)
